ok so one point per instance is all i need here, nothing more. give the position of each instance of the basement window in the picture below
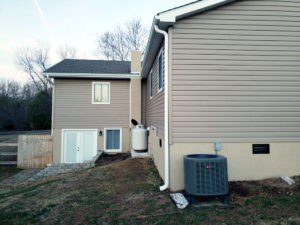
(101, 93)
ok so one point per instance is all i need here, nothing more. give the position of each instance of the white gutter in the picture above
(91, 75)
(166, 111)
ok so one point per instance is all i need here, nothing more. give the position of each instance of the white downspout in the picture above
(166, 111)
(52, 108)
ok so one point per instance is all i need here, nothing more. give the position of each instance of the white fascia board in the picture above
(92, 75)
(169, 18)
(177, 13)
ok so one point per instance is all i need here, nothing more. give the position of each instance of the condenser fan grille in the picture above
(206, 176)
(210, 177)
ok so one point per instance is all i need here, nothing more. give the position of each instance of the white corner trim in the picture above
(52, 110)
(121, 141)
(130, 104)
(93, 99)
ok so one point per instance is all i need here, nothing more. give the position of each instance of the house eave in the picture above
(173, 15)
(92, 75)
(166, 19)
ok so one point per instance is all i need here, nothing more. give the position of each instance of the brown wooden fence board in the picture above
(34, 151)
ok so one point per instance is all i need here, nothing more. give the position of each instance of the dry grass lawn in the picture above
(126, 192)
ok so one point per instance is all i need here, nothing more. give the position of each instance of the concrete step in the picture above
(8, 163)
(8, 149)
(8, 144)
(8, 153)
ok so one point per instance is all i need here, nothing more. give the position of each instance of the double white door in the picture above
(79, 145)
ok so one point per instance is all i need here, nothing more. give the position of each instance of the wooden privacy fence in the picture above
(34, 151)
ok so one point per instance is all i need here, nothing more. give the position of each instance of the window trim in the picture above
(162, 75)
(151, 84)
(121, 141)
(93, 93)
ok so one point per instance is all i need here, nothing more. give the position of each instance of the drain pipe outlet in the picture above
(166, 110)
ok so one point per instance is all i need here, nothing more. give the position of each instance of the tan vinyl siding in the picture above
(74, 108)
(154, 113)
(144, 89)
(236, 73)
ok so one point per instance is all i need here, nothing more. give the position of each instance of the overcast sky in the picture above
(66, 22)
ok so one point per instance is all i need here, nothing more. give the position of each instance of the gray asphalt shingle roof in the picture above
(90, 66)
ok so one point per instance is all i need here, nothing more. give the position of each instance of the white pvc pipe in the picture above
(166, 111)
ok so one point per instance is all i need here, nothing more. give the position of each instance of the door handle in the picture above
(77, 149)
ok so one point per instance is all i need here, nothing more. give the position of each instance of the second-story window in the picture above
(160, 72)
(101, 93)
(151, 84)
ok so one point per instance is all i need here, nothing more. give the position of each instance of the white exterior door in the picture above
(78, 145)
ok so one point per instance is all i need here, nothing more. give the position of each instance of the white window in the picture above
(160, 72)
(151, 84)
(101, 93)
(113, 139)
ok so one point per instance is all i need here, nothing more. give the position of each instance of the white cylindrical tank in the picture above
(139, 138)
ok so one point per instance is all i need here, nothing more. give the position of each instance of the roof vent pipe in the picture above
(166, 110)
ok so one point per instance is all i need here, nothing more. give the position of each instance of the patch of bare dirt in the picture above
(107, 159)
(274, 186)
(243, 190)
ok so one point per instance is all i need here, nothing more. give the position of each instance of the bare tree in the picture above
(15, 99)
(117, 45)
(67, 52)
(136, 35)
(33, 61)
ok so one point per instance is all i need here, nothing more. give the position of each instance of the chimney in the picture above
(136, 57)
(135, 87)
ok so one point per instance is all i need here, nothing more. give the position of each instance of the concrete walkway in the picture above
(20, 177)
